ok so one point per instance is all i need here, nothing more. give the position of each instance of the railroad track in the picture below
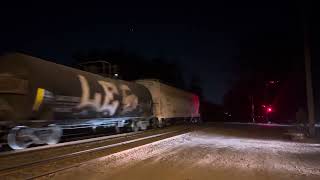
(65, 138)
(43, 161)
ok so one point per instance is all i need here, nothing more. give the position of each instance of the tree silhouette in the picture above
(132, 66)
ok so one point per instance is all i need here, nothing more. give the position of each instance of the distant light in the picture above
(116, 75)
(269, 109)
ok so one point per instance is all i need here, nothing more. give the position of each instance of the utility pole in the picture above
(307, 59)
(252, 109)
(310, 99)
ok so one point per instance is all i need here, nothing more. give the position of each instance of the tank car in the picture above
(38, 99)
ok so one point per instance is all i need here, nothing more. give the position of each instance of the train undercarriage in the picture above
(23, 136)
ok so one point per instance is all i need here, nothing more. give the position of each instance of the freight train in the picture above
(171, 104)
(39, 99)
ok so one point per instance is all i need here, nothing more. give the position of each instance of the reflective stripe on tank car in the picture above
(39, 99)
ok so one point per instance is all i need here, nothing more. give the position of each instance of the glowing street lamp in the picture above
(269, 109)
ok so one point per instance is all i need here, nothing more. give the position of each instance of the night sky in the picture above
(219, 42)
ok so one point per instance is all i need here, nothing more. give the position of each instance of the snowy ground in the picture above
(211, 153)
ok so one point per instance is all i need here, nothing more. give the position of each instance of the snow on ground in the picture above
(206, 154)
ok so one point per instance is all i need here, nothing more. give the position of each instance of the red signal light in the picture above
(269, 109)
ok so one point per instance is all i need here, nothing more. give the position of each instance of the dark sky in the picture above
(216, 42)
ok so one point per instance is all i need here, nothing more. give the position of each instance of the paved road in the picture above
(211, 153)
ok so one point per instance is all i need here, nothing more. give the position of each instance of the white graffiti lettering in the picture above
(107, 104)
(85, 100)
(130, 102)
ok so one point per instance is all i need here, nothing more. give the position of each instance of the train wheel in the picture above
(55, 135)
(162, 123)
(117, 129)
(17, 138)
(134, 126)
(155, 123)
(21, 137)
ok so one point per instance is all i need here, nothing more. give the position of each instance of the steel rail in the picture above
(128, 140)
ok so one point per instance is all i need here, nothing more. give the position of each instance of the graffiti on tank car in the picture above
(108, 103)
(129, 101)
(85, 100)
(98, 103)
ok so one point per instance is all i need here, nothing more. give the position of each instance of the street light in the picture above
(269, 109)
